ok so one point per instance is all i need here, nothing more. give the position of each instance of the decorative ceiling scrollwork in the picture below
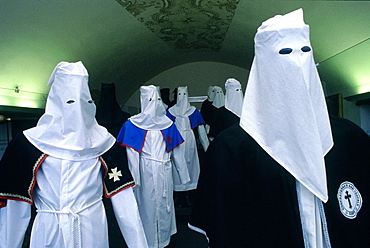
(185, 24)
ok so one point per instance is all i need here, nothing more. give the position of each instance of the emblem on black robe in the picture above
(350, 200)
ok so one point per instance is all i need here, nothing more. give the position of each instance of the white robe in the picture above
(152, 171)
(70, 210)
(191, 154)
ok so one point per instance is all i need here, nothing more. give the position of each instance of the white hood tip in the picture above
(63, 67)
(68, 129)
(284, 108)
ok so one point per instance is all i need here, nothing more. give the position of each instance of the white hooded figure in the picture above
(66, 182)
(211, 93)
(228, 114)
(263, 183)
(153, 146)
(187, 118)
(234, 96)
(285, 112)
(219, 100)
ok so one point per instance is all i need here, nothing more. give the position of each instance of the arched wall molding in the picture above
(197, 76)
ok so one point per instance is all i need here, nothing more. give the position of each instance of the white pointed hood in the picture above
(211, 93)
(234, 96)
(219, 100)
(153, 113)
(284, 107)
(68, 129)
(182, 106)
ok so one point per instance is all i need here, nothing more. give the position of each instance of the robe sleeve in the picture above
(203, 137)
(207, 127)
(14, 220)
(196, 121)
(174, 141)
(133, 158)
(133, 139)
(128, 218)
(179, 162)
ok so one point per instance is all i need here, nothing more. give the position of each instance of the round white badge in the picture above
(350, 200)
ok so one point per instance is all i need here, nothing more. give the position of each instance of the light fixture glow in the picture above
(364, 88)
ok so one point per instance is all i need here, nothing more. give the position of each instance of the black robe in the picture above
(110, 115)
(207, 110)
(222, 119)
(244, 198)
(348, 160)
(108, 112)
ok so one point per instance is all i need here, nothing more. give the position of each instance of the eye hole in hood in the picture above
(285, 51)
(306, 49)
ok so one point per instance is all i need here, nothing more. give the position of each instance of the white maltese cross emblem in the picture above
(115, 175)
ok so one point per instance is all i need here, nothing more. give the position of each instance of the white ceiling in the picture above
(118, 47)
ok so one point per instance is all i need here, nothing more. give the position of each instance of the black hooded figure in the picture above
(110, 115)
(165, 95)
(108, 112)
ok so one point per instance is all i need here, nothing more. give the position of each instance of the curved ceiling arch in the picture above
(128, 43)
(196, 75)
(128, 79)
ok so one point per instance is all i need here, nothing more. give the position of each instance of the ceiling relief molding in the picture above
(185, 25)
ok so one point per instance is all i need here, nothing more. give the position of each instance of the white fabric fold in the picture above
(233, 96)
(14, 220)
(128, 217)
(211, 93)
(219, 100)
(310, 218)
(182, 106)
(153, 113)
(284, 107)
(68, 129)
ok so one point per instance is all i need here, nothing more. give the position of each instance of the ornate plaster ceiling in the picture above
(182, 24)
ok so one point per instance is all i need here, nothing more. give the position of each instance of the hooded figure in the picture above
(234, 96)
(165, 95)
(187, 118)
(207, 109)
(108, 112)
(110, 115)
(59, 166)
(229, 114)
(219, 100)
(268, 173)
(151, 140)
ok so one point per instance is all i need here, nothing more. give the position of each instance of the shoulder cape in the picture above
(134, 137)
(21, 161)
(195, 118)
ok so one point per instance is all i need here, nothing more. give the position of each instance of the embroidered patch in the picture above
(115, 175)
(350, 200)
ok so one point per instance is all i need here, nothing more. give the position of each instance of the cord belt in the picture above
(75, 217)
(165, 183)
